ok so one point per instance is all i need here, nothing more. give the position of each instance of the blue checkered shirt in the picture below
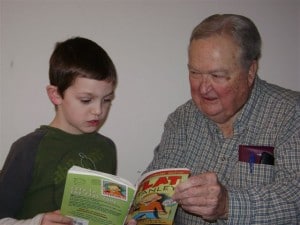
(271, 193)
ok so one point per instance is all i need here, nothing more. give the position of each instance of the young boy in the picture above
(82, 83)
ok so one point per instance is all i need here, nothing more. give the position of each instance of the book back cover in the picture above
(92, 198)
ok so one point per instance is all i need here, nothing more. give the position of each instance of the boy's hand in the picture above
(203, 195)
(131, 222)
(55, 218)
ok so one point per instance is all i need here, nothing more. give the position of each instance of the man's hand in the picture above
(55, 218)
(204, 196)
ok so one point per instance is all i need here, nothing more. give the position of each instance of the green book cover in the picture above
(93, 198)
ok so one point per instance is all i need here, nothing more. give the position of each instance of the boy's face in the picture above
(85, 106)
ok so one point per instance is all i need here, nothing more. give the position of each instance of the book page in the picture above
(153, 203)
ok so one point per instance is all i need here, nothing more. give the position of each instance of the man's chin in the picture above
(216, 117)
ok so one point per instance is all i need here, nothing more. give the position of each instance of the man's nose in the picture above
(204, 83)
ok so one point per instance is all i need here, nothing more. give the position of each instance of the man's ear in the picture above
(53, 94)
(252, 72)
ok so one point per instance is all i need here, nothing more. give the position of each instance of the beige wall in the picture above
(147, 40)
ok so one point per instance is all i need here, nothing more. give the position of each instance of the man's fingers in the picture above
(198, 180)
(204, 191)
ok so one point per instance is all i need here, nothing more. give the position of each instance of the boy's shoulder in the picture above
(106, 139)
(27, 145)
(24, 149)
(31, 138)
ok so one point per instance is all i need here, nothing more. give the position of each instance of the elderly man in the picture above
(234, 122)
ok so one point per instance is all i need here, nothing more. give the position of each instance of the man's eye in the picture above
(220, 78)
(217, 75)
(194, 73)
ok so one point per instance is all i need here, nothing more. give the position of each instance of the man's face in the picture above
(219, 84)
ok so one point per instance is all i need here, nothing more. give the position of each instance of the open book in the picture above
(93, 198)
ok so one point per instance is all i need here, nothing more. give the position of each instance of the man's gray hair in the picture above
(242, 30)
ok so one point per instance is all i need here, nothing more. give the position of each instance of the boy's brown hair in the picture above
(79, 57)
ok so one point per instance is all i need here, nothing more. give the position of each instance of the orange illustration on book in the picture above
(150, 207)
(113, 190)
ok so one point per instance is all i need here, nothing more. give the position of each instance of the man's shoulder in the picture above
(280, 94)
(186, 113)
(187, 107)
(277, 103)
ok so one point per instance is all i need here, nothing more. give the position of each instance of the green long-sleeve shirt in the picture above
(33, 177)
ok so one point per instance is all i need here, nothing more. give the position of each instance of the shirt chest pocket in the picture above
(243, 176)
